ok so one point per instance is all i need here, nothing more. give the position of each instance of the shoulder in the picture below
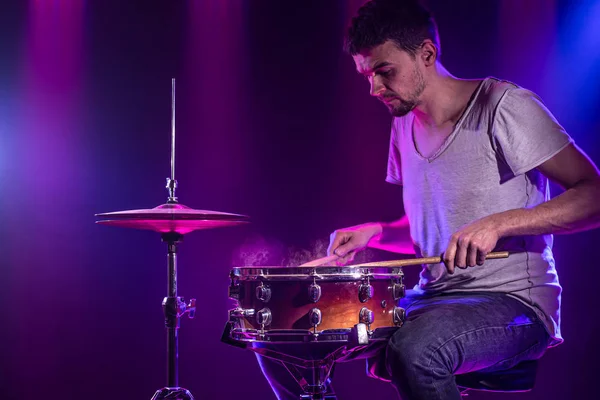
(494, 90)
(501, 96)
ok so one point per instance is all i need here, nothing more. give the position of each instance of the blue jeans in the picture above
(443, 335)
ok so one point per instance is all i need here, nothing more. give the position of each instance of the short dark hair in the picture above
(405, 22)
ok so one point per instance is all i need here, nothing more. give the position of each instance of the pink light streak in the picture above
(52, 91)
(50, 160)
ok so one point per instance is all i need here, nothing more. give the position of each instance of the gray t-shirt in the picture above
(486, 165)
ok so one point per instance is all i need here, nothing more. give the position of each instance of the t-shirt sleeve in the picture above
(394, 171)
(525, 131)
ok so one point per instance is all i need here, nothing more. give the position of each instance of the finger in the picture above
(335, 240)
(351, 256)
(449, 254)
(460, 260)
(345, 249)
(472, 255)
(332, 239)
(481, 254)
(346, 259)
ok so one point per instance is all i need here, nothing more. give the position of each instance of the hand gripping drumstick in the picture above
(396, 263)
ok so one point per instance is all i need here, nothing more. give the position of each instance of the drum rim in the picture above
(329, 272)
(291, 336)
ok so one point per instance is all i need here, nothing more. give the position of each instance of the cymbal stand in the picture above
(174, 307)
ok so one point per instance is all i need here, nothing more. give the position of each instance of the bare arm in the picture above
(576, 209)
(394, 236)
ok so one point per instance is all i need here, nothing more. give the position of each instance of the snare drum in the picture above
(300, 304)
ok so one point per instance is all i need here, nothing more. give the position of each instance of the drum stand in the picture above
(315, 386)
(174, 308)
(316, 389)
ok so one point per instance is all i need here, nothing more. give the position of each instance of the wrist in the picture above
(507, 222)
(368, 227)
(378, 228)
(373, 229)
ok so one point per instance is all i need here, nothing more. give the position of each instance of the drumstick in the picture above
(320, 261)
(419, 261)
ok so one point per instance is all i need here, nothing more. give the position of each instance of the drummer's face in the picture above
(394, 75)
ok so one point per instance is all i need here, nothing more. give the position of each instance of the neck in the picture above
(444, 98)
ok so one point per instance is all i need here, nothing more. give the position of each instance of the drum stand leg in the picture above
(316, 387)
(174, 308)
(314, 384)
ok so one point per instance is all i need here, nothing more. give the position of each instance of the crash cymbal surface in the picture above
(171, 218)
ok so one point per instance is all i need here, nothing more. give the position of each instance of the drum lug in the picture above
(314, 292)
(399, 314)
(263, 293)
(365, 292)
(235, 292)
(366, 316)
(264, 317)
(398, 291)
(235, 289)
(315, 317)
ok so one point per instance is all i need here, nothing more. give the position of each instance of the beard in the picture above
(404, 106)
(401, 109)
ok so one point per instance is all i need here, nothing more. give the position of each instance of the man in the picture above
(474, 158)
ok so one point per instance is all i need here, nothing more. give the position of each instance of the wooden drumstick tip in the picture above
(499, 254)
(320, 261)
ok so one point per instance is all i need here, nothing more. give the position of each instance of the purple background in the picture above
(272, 122)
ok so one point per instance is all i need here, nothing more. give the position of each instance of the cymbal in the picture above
(171, 218)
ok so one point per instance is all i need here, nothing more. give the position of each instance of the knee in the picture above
(404, 349)
(412, 351)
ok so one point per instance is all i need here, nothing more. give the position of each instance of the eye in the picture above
(384, 72)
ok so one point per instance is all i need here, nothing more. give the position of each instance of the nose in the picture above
(376, 86)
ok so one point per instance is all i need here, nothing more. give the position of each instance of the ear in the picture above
(429, 53)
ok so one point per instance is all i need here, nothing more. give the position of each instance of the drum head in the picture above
(334, 273)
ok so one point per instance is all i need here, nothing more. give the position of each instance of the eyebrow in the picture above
(378, 65)
(381, 65)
